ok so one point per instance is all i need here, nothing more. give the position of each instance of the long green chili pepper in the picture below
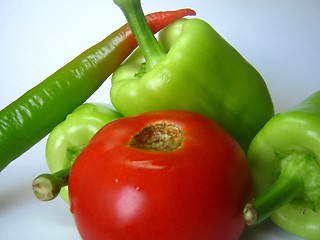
(32, 116)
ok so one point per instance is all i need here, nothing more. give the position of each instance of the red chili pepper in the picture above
(32, 116)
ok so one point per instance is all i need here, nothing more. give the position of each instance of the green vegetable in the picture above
(284, 159)
(68, 139)
(48, 186)
(32, 116)
(193, 68)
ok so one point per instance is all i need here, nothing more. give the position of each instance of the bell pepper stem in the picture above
(47, 186)
(148, 44)
(285, 189)
(290, 183)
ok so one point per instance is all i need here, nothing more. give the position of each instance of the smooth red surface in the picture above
(197, 191)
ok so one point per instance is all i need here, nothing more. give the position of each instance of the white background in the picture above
(280, 38)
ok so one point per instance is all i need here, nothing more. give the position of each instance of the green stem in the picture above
(47, 186)
(290, 183)
(148, 44)
(282, 192)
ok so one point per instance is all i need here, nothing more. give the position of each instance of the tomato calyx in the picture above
(158, 137)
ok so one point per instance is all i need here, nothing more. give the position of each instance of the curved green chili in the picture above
(32, 116)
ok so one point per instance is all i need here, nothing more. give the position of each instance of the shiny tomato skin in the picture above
(197, 191)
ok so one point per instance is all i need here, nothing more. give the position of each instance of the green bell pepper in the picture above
(191, 67)
(284, 159)
(68, 138)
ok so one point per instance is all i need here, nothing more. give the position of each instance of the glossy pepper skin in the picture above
(32, 116)
(71, 136)
(199, 71)
(284, 159)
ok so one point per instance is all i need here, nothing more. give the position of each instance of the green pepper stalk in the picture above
(190, 67)
(145, 38)
(32, 116)
(284, 159)
(48, 186)
(70, 137)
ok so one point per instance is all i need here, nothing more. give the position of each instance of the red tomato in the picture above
(194, 188)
